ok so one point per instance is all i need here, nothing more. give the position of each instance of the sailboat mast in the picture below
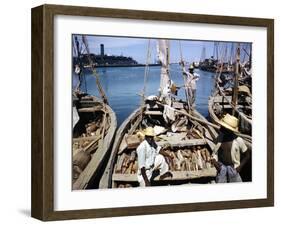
(164, 58)
(77, 53)
(146, 71)
(235, 87)
(102, 93)
(184, 76)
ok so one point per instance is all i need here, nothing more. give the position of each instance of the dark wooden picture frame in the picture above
(43, 111)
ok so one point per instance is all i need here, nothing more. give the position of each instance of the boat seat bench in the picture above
(153, 113)
(183, 143)
(177, 175)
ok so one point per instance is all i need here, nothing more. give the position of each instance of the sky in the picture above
(137, 48)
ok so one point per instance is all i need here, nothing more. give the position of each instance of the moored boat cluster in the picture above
(104, 158)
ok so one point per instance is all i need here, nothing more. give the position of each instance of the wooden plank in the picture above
(228, 106)
(133, 141)
(218, 99)
(153, 113)
(119, 163)
(78, 139)
(177, 105)
(177, 175)
(184, 143)
(91, 109)
(134, 126)
(38, 169)
(123, 145)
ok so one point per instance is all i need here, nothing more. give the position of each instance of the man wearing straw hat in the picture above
(150, 159)
(227, 153)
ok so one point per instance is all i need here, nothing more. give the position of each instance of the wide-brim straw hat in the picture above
(244, 89)
(229, 122)
(149, 131)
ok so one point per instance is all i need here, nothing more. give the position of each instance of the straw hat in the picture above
(173, 88)
(229, 122)
(244, 89)
(149, 131)
(191, 67)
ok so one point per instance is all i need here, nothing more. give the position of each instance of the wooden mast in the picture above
(102, 93)
(146, 72)
(184, 77)
(235, 87)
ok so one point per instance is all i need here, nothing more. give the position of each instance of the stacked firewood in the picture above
(185, 159)
(80, 144)
(127, 163)
(85, 146)
(189, 159)
(91, 129)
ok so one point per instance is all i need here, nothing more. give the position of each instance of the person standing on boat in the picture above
(228, 150)
(191, 80)
(150, 159)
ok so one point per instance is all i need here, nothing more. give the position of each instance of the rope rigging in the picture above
(146, 71)
(92, 66)
(184, 77)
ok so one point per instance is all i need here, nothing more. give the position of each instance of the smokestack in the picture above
(102, 50)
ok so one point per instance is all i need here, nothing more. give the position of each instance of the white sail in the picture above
(75, 117)
(163, 56)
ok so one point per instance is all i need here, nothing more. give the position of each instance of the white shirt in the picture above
(192, 79)
(146, 155)
(166, 90)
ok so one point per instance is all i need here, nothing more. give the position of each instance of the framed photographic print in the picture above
(141, 112)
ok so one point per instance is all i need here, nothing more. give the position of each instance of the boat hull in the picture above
(100, 143)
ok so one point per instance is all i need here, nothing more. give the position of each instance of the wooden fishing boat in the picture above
(94, 127)
(221, 103)
(183, 132)
(234, 99)
(93, 136)
(190, 146)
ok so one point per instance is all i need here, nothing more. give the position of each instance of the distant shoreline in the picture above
(123, 65)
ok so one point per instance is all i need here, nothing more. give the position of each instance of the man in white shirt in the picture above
(150, 159)
(192, 78)
(227, 152)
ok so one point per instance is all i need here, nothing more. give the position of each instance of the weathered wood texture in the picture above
(37, 183)
(177, 175)
(183, 143)
(42, 204)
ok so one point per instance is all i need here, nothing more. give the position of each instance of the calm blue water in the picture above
(122, 84)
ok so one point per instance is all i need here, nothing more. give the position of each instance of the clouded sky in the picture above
(137, 48)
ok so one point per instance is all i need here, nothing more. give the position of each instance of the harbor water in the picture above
(123, 84)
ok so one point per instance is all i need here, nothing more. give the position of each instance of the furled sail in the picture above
(163, 56)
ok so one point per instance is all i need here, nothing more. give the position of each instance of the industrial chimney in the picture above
(102, 50)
